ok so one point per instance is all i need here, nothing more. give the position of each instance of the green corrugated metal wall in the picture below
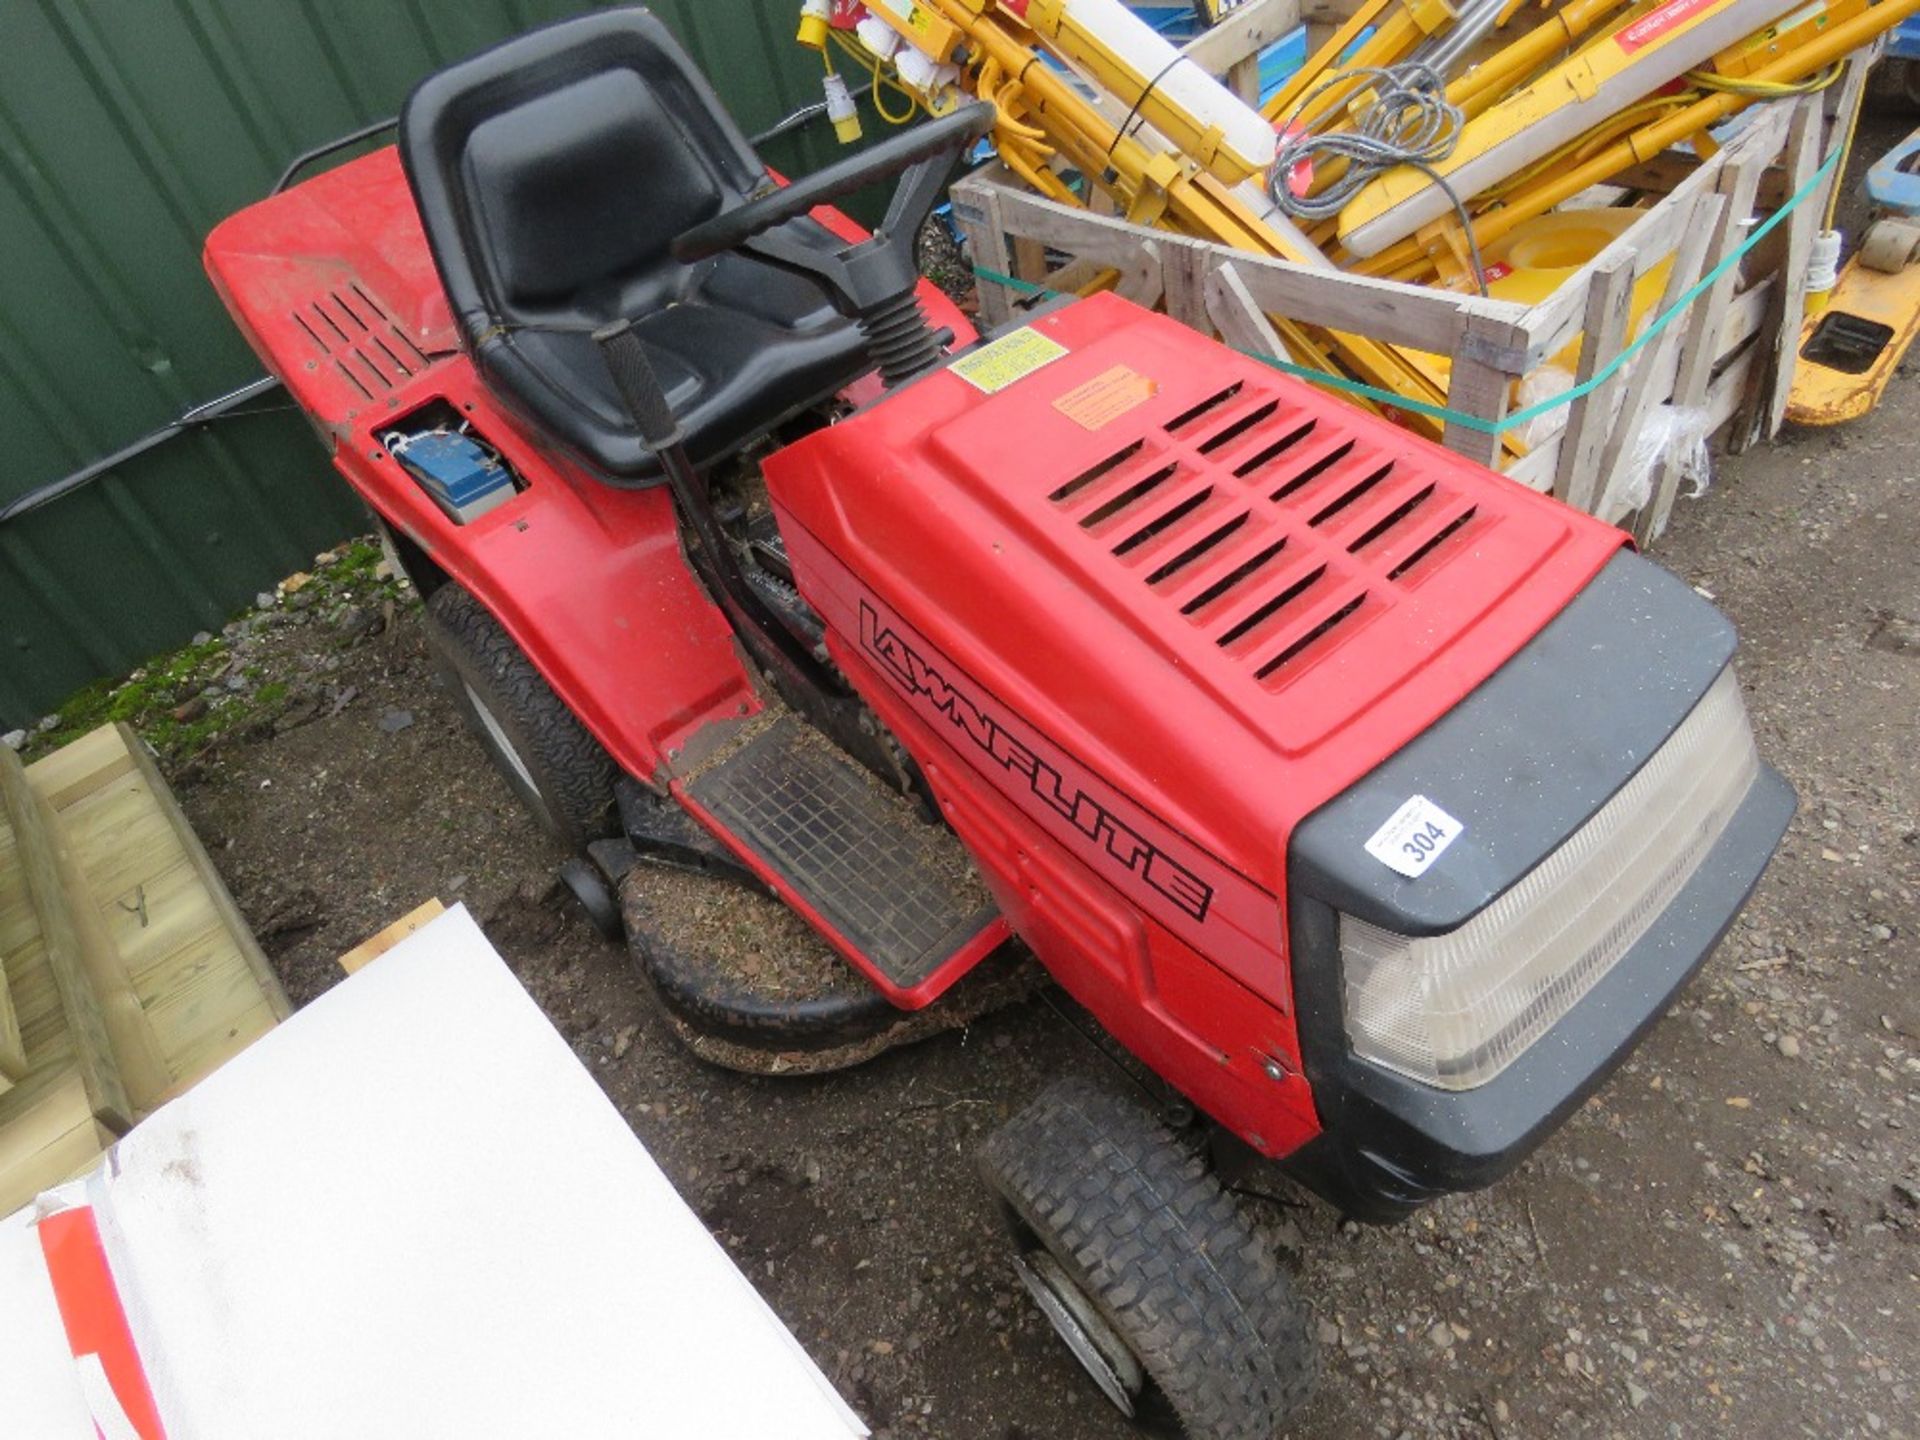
(127, 129)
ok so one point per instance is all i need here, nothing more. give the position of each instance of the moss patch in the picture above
(184, 701)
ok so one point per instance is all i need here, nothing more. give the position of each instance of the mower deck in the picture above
(747, 985)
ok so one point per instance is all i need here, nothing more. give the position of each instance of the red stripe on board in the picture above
(95, 1321)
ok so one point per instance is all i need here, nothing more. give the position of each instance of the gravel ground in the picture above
(1722, 1242)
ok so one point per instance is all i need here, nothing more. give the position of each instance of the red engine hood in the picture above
(1225, 593)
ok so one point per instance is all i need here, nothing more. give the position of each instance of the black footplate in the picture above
(902, 891)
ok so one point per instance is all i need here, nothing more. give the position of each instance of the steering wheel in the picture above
(873, 282)
(915, 150)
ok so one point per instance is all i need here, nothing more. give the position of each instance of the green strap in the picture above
(1518, 417)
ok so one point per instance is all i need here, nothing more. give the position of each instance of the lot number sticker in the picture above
(1416, 836)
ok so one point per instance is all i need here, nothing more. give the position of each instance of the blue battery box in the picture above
(464, 477)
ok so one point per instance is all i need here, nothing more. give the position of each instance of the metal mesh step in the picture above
(901, 890)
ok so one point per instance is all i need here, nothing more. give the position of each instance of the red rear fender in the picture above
(333, 284)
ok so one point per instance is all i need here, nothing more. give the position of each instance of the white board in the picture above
(410, 1211)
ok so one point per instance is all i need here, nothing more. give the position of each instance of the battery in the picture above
(464, 477)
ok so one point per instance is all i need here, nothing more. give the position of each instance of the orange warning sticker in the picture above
(1106, 397)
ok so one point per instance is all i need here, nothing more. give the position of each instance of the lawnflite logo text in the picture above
(1118, 841)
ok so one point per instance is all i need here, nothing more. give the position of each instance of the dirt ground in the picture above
(1726, 1241)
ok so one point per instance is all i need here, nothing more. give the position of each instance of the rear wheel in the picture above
(1147, 1269)
(556, 768)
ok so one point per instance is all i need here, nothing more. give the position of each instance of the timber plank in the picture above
(119, 836)
(204, 1051)
(254, 958)
(53, 1142)
(43, 1023)
(86, 1025)
(77, 769)
(17, 920)
(34, 1115)
(182, 946)
(192, 997)
(205, 960)
(13, 1050)
(156, 918)
(125, 963)
(373, 947)
(136, 1050)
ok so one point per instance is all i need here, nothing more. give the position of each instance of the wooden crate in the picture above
(1728, 354)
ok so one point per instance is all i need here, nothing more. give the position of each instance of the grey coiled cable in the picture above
(1408, 121)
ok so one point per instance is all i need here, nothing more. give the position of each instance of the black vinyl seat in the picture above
(552, 174)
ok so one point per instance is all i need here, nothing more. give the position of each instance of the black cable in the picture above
(1466, 222)
(227, 407)
(1133, 114)
(805, 115)
(1101, 1042)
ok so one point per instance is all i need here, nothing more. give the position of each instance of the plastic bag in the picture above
(1675, 433)
(1534, 388)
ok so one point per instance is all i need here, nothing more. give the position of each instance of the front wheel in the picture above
(1147, 1269)
(556, 768)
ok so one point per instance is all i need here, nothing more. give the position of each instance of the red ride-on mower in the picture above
(1374, 804)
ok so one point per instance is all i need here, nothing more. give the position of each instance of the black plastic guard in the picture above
(1524, 761)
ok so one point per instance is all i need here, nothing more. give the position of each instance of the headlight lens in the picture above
(1455, 1010)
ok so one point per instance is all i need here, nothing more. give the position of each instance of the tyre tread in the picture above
(574, 774)
(1164, 1251)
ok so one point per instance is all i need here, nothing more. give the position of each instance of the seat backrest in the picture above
(552, 172)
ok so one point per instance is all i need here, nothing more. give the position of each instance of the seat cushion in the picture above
(747, 347)
(552, 174)
(580, 189)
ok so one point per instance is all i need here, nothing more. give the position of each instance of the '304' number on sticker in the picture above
(1418, 833)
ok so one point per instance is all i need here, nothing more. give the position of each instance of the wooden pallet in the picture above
(128, 973)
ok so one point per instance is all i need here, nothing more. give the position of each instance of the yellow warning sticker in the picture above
(994, 367)
(1107, 397)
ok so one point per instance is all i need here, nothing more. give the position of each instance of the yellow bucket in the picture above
(1538, 256)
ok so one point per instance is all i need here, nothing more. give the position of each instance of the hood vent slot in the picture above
(1233, 579)
(1353, 493)
(1314, 471)
(1259, 415)
(1274, 606)
(1296, 647)
(1451, 528)
(1087, 477)
(1130, 496)
(370, 352)
(1198, 550)
(1165, 522)
(1274, 451)
(1211, 403)
(1391, 518)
